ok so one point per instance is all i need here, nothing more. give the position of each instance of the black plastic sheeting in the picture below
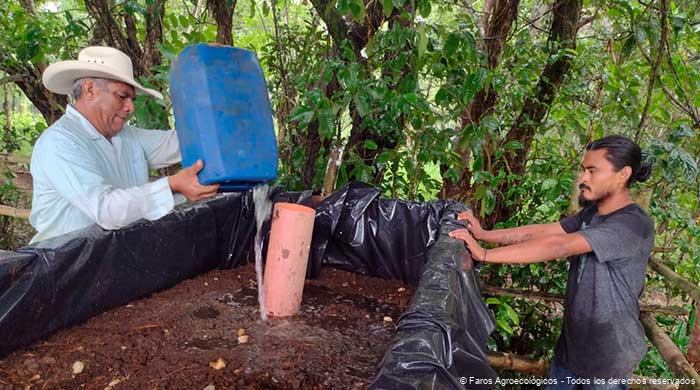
(440, 342)
(441, 338)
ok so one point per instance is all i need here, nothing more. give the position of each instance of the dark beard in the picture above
(583, 202)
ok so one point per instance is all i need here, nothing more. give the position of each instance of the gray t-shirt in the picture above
(602, 336)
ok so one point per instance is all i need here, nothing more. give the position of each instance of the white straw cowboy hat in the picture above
(94, 61)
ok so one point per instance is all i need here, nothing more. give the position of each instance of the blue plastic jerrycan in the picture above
(223, 116)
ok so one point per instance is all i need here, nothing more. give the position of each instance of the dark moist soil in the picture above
(174, 339)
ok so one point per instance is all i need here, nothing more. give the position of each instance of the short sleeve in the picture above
(572, 223)
(619, 236)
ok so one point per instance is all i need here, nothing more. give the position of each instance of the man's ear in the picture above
(89, 88)
(625, 173)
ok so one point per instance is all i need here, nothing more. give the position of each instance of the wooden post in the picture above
(668, 350)
(336, 158)
(14, 212)
(13, 159)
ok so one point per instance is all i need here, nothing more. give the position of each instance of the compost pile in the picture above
(207, 331)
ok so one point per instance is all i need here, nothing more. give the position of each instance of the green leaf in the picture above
(513, 145)
(489, 203)
(326, 123)
(357, 7)
(442, 97)
(469, 43)
(503, 324)
(549, 183)
(492, 301)
(252, 9)
(387, 7)
(361, 105)
(370, 145)
(411, 98)
(451, 44)
(302, 115)
(512, 315)
(424, 8)
(183, 21)
(489, 123)
(422, 44)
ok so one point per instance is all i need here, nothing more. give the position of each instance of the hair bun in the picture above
(643, 172)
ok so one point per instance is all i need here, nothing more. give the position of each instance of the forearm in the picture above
(520, 234)
(114, 208)
(536, 250)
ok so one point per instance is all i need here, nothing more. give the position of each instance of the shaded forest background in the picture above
(489, 102)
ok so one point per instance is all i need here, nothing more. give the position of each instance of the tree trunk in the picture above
(50, 105)
(222, 10)
(331, 177)
(110, 32)
(694, 346)
(7, 108)
(312, 141)
(358, 34)
(154, 35)
(497, 21)
(562, 36)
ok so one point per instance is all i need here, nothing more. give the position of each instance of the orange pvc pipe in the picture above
(287, 258)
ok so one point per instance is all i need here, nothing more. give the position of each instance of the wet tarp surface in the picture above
(442, 337)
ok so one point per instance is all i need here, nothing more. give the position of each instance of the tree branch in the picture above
(677, 280)
(526, 294)
(654, 69)
(527, 365)
(668, 350)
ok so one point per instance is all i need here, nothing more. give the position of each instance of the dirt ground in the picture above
(205, 333)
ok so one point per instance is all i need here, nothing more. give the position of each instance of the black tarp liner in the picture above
(442, 337)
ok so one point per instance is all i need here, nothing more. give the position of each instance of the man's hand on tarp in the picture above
(473, 224)
(478, 253)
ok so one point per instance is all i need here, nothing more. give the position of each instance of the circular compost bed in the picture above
(207, 333)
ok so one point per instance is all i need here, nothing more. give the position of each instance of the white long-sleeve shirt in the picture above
(81, 178)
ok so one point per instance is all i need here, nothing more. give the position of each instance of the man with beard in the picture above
(609, 242)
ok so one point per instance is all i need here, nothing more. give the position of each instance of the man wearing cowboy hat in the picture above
(90, 166)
